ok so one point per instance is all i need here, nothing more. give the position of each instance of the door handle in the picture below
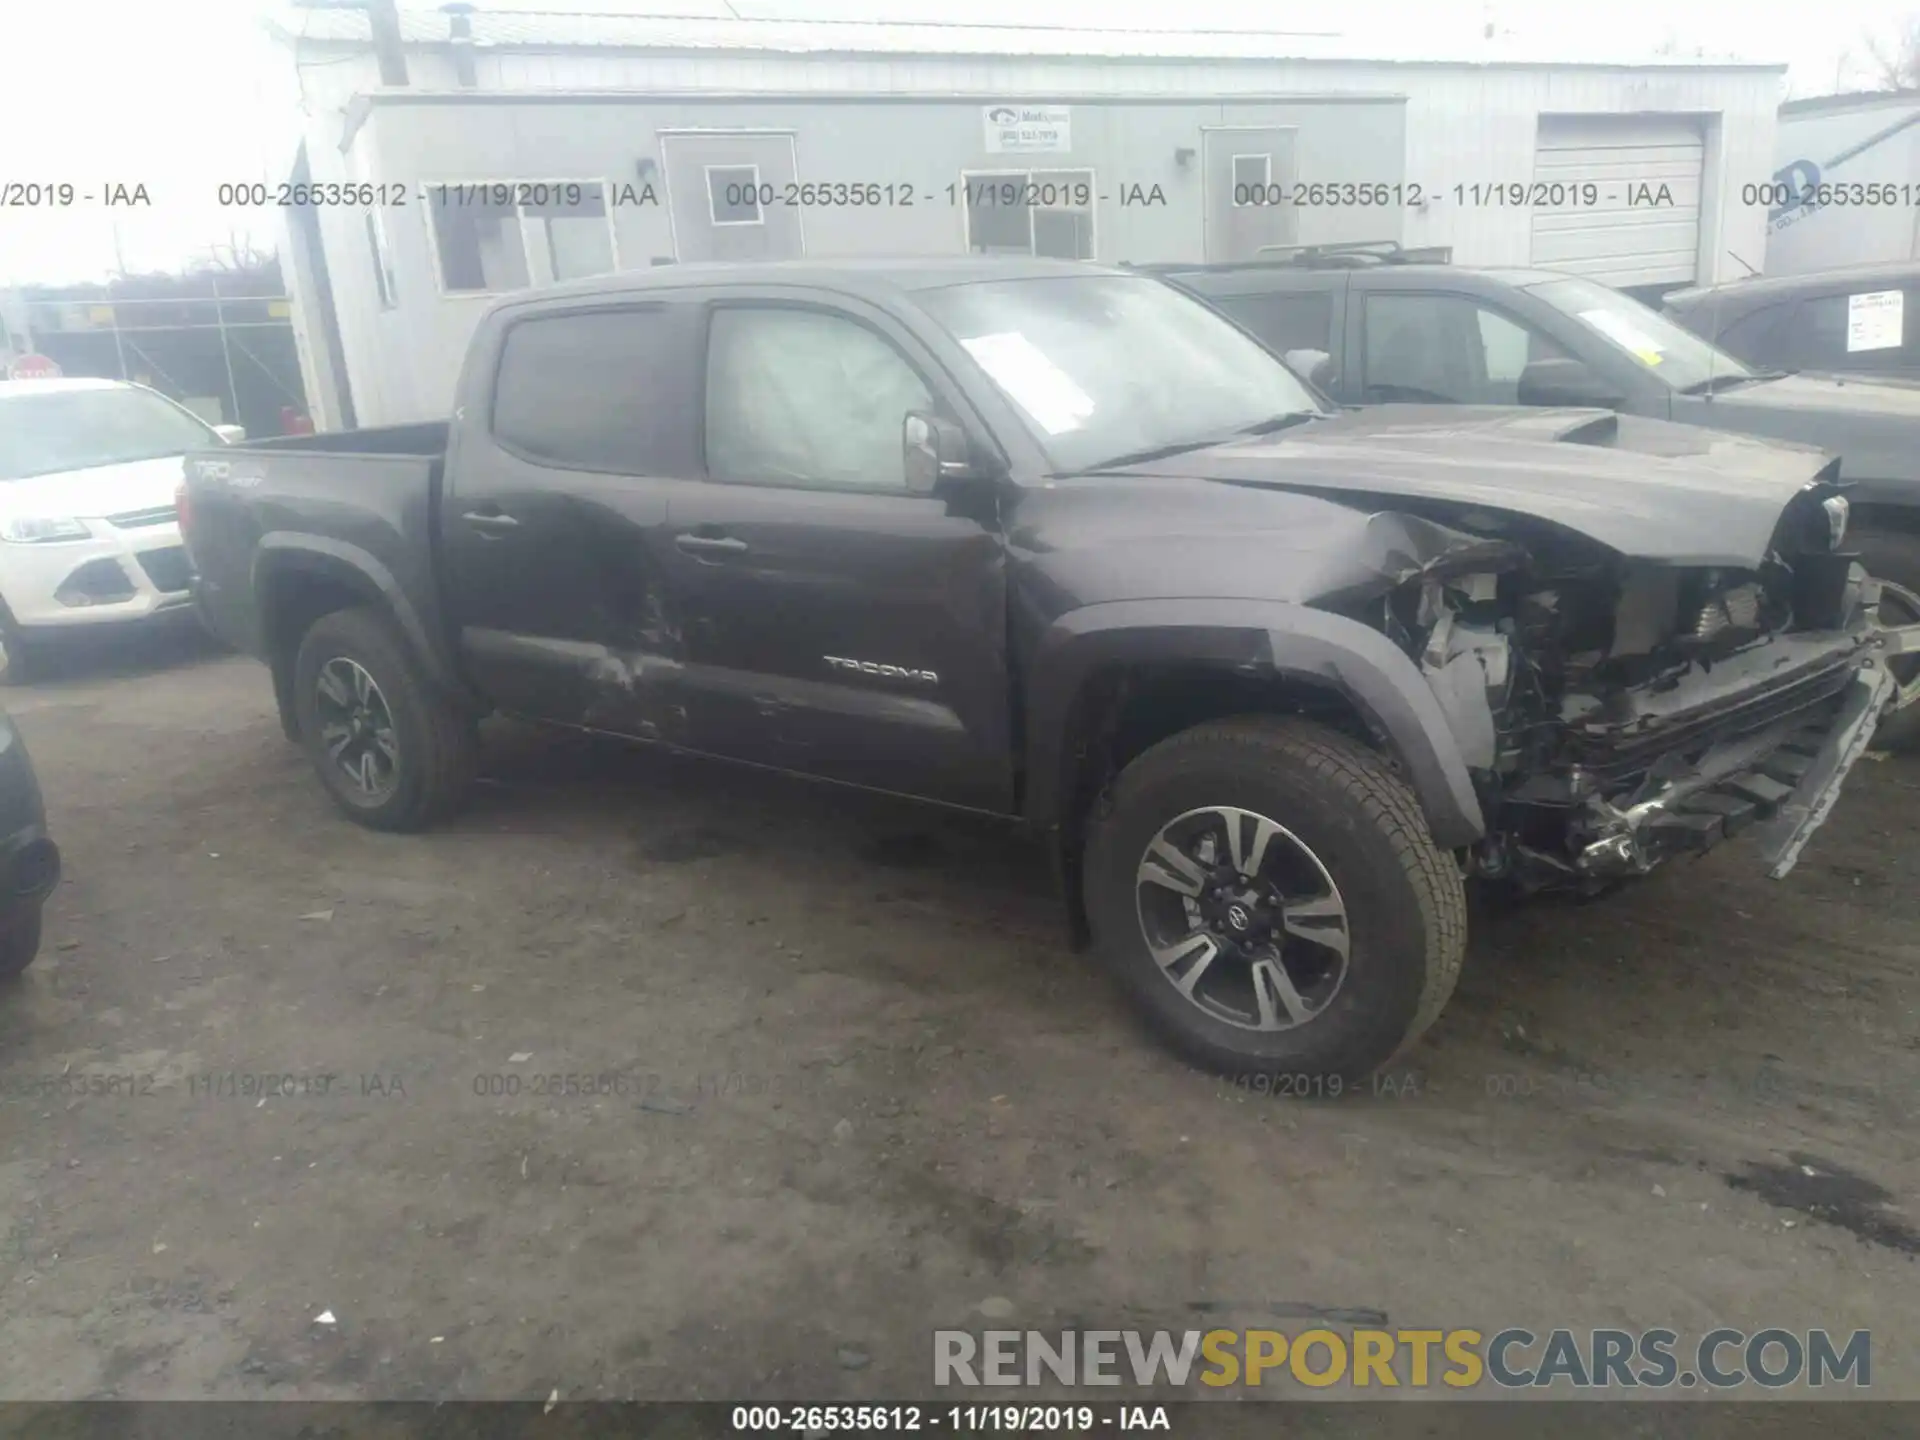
(710, 544)
(490, 520)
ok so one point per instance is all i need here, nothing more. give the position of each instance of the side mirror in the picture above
(231, 434)
(1316, 366)
(936, 449)
(1566, 382)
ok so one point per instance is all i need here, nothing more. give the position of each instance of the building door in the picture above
(1621, 197)
(1249, 178)
(726, 195)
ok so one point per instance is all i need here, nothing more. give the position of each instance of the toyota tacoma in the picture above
(1061, 544)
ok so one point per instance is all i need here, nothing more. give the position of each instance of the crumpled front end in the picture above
(1617, 713)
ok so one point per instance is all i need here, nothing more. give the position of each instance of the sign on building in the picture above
(1012, 128)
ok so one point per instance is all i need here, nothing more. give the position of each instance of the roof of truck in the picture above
(1763, 286)
(853, 276)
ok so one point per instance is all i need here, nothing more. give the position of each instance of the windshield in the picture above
(42, 434)
(1106, 366)
(1677, 356)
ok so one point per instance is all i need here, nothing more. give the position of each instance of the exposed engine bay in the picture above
(1616, 712)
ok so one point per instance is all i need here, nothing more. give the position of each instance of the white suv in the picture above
(88, 533)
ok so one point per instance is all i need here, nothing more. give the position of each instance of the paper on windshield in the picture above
(1624, 333)
(1032, 381)
(1874, 320)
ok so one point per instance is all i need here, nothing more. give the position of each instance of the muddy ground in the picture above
(868, 1090)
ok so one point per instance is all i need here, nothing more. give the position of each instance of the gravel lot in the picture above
(869, 1089)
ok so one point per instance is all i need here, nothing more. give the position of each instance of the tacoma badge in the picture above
(890, 672)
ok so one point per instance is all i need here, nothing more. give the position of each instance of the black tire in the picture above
(19, 943)
(23, 661)
(1405, 905)
(1894, 558)
(436, 743)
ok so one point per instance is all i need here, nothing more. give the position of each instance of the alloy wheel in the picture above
(1243, 918)
(356, 728)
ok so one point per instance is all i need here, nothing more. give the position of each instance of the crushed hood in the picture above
(1647, 489)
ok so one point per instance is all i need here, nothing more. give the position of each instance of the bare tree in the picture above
(1896, 62)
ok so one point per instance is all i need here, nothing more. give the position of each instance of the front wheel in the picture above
(1269, 895)
(393, 752)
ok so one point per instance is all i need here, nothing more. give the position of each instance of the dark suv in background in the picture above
(1374, 323)
(1854, 321)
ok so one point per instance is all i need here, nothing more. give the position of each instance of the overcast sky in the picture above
(186, 95)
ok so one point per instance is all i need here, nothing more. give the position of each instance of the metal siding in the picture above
(1460, 125)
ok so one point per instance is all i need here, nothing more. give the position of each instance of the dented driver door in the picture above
(553, 517)
(836, 624)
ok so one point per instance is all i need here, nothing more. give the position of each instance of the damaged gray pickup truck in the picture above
(1060, 544)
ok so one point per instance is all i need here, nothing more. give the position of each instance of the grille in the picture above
(136, 519)
(167, 568)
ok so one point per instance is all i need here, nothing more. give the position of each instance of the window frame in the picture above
(937, 393)
(664, 307)
(1266, 185)
(1027, 172)
(386, 291)
(522, 221)
(759, 211)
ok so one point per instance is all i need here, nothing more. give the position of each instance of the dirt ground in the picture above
(868, 1091)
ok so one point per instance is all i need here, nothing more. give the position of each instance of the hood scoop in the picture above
(1601, 430)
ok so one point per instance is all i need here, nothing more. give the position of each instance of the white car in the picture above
(88, 534)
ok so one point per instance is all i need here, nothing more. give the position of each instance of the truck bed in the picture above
(364, 496)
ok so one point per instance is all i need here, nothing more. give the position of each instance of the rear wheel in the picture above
(393, 752)
(1269, 895)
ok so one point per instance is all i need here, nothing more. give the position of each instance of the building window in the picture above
(733, 195)
(382, 261)
(509, 234)
(1252, 178)
(1030, 212)
(572, 223)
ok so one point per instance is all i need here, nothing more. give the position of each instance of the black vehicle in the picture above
(1057, 543)
(1393, 326)
(29, 860)
(1860, 320)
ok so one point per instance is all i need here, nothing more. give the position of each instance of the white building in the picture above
(514, 148)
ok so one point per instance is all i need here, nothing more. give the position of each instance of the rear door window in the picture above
(1867, 330)
(1285, 321)
(604, 390)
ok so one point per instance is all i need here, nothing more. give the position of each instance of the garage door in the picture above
(1644, 228)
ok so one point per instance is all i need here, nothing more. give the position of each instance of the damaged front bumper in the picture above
(1783, 778)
